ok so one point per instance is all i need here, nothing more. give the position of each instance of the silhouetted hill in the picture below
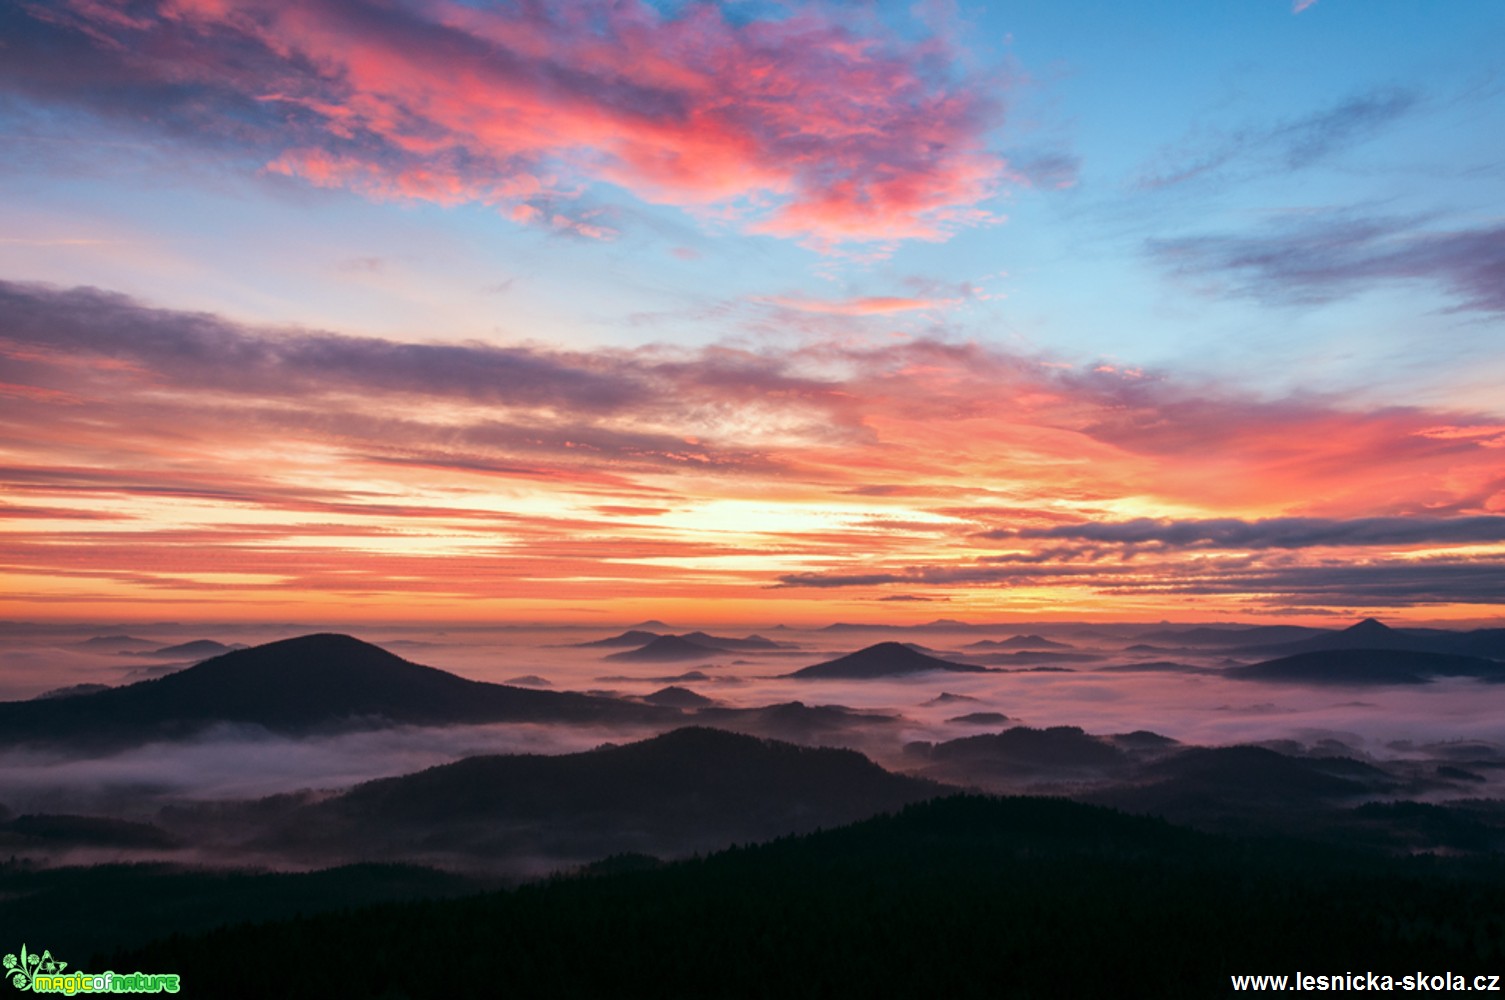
(959, 897)
(61, 831)
(678, 697)
(1157, 667)
(686, 677)
(1244, 787)
(298, 685)
(947, 698)
(1371, 634)
(642, 640)
(799, 723)
(72, 691)
(1143, 739)
(690, 789)
(1255, 770)
(1019, 756)
(1239, 636)
(936, 625)
(980, 719)
(132, 903)
(752, 643)
(1035, 656)
(1368, 666)
(1488, 642)
(635, 638)
(117, 643)
(886, 659)
(202, 648)
(1019, 642)
(666, 649)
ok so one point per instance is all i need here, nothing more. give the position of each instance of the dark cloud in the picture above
(1390, 583)
(1274, 533)
(53, 59)
(935, 575)
(1320, 258)
(211, 352)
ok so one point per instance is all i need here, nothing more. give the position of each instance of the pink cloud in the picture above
(335, 464)
(872, 305)
(810, 127)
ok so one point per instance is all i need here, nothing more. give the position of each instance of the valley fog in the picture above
(1107, 688)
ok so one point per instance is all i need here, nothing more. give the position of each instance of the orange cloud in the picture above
(318, 468)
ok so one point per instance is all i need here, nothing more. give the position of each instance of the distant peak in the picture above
(315, 639)
(1369, 625)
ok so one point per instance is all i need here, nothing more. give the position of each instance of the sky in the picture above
(345, 310)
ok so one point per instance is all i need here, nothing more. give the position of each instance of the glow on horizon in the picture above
(462, 312)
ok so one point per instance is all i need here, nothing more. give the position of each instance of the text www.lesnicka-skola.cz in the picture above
(1416, 982)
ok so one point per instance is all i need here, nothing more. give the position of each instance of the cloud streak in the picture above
(172, 456)
(1289, 145)
(1329, 256)
(1381, 584)
(1276, 533)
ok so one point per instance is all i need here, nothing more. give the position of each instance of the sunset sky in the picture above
(446, 310)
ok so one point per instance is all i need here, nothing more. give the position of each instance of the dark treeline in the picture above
(963, 896)
(81, 910)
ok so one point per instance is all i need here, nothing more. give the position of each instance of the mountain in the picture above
(1019, 642)
(633, 637)
(1236, 788)
(72, 691)
(298, 685)
(1372, 634)
(947, 698)
(666, 649)
(117, 643)
(1233, 636)
(1368, 666)
(691, 789)
(198, 647)
(677, 697)
(1480, 642)
(955, 897)
(800, 723)
(689, 675)
(1157, 667)
(980, 719)
(752, 643)
(885, 659)
(1005, 759)
(58, 832)
(1258, 772)
(1035, 656)
(937, 625)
